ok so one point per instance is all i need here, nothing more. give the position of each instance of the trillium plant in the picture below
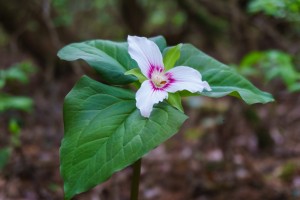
(109, 127)
(156, 83)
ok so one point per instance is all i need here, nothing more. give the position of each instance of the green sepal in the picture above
(171, 56)
(137, 73)
(186, 93)
(175, 100)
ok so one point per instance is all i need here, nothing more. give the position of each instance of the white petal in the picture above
(146, 53)
(186, 78)
(146, 97)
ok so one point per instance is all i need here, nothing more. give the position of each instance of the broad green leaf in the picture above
(104, 133)
(8, 102)
(175, 100)
(222, 79)
(137, 73)
(171, 56)
(110, 59)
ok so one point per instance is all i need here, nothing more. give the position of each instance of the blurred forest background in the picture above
(226, 150)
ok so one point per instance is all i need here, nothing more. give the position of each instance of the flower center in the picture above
(159, 79)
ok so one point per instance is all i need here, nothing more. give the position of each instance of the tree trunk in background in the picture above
(30, 24)
(133, 15)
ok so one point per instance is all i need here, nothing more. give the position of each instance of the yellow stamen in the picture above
(159, 79)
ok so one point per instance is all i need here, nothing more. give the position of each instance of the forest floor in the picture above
(225, 150)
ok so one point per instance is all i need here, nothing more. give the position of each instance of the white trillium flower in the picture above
(159, 83)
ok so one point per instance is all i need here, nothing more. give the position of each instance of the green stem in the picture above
(135, 179)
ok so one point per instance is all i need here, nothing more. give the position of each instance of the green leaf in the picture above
(171, 56)
(104, 133)
(137, 73)
(14, 127)
(18, 72)
(294, 87)
(8, 102)
(175, 100)
(222, 79)
(4, 156)
(271, 64)
(110, 59)
(285, 9)
(2, 78)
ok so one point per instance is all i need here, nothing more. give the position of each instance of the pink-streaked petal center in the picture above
(154, 69)
(160, 80)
